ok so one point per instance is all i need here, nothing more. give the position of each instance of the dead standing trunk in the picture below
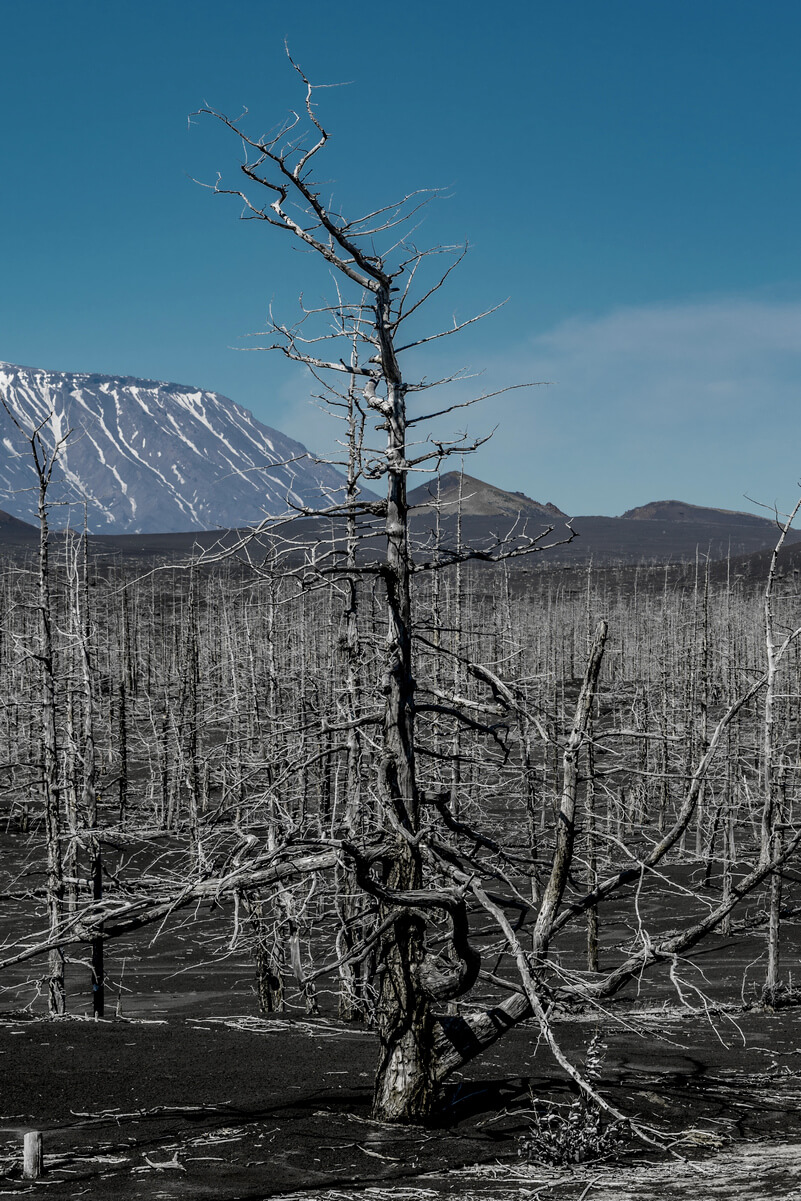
(566, 818)
(355, 1002)
(56, 993)
(44, 463)
(282, 164)
(459, 1038)
(404, 1087)
(89, 797)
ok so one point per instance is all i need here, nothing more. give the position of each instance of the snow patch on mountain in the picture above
(148, 456)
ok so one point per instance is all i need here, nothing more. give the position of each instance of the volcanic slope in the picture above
(14, 532)
(458, 492)
(149, 456)
(671, 531)
(665, 531)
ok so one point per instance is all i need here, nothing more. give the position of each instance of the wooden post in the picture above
(32, 1157)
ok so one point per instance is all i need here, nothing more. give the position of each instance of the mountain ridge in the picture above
(459, 492)
(150, 456)
(155, 458)
(683, 511)
(605, 541)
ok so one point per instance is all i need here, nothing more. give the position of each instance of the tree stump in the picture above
(32, 1156)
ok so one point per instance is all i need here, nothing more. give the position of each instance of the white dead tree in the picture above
(44, 456)
(429, 874)
(363, 339)
(424, 869)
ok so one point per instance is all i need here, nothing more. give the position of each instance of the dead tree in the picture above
(375, 301)
(44, 458)
(773, 773)
(427, 874)
(420, 873)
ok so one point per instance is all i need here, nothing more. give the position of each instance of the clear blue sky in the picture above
(626, 172)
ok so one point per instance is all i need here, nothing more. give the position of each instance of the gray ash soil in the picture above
(188, 1095)
(236, 1109)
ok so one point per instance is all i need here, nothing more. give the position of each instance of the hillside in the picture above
(475, 498)
(607, 541)
(149, 456)
(622, 540)
(14, 532)
(167, 468)
(678, 511)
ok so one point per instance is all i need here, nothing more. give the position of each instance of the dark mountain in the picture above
(610, 540)
(159, 464)
(670, 531)
(667, 531)
(149, 456)
(754, 568)
(678, 511)
(14, 532)
(474, 498)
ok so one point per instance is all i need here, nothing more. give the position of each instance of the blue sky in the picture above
(626, 173)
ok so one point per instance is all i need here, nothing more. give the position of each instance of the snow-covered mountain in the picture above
(149, 456)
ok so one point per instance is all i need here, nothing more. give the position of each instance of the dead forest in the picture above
(426, 788)
(208, 736)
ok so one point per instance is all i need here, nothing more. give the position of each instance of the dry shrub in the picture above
(579, 1132)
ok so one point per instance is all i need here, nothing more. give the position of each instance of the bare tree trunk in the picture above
(354, 999)
(771, 991)
(89, 798)
(190, 721)
(589, 806)
(774, 651)
(565, 830)
(703, 702)
(269, 965)
(124, 690)
(592, 861)
(56, 993)
(404, 1087)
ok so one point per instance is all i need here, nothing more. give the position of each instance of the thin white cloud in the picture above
(699, 401)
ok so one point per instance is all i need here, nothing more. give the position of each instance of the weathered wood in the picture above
(563, 853)
(32, 1155)
(404, 1087)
